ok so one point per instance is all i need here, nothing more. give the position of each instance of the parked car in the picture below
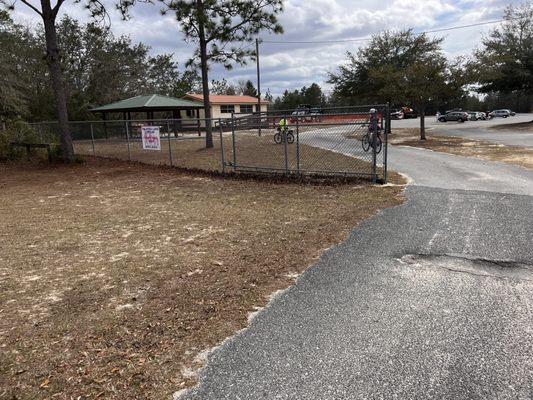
(316, 114)
(500, 114)
(409, 113)
(307, 113)
(453, 110)
(476, 115)
(298, 115)
(396, 114)
(459, 116)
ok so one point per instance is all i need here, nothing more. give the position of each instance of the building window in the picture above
(227, 108)
(190, 113)
(247, 108)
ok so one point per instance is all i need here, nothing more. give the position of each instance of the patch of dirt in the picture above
(465, 147)
(116, 277)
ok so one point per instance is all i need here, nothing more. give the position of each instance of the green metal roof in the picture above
(152, 102)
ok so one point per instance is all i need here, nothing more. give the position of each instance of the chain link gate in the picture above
(339, 142)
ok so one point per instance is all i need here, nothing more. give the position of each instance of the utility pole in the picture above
(258, 85)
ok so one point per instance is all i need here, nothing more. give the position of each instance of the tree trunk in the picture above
(422, 123)
(205, 76)
(56, 75)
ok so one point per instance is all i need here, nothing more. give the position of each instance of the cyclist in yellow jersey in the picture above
(283, 124)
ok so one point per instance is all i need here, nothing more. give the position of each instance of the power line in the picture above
(463, 26)
(369, 37)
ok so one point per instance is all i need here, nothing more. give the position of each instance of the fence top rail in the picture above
(318, 124)
(108, 121)
(271, 115)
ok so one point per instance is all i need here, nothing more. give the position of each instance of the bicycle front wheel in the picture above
(290, 138)
(379, 145)
(365, 142)
(277, 138)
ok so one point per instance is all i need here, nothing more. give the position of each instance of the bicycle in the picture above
(366, 141)
(288, 133)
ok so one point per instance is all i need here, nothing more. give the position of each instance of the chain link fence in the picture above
(347, 141)
(340, 142)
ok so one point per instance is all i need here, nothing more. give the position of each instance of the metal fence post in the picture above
(285, 132)
(386, 139)
(169, 144)
(222, 146)
(298, 146)
(233, 142)
(128, 140)
(92, 139)
(374, 131)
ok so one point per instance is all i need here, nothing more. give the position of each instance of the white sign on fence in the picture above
(151, 138)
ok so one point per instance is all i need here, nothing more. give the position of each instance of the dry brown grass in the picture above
(115, 276)
(465, 147)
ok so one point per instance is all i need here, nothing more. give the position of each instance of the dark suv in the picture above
(459, 116)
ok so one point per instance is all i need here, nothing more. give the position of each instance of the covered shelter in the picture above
(149, 105)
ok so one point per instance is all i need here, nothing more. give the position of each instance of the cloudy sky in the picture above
(286, 65)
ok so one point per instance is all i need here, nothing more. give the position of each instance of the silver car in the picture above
(476, 115)
(500, 114)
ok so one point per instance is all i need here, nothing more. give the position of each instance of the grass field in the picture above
(115, 278)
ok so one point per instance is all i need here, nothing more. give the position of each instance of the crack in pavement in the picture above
(475, 266)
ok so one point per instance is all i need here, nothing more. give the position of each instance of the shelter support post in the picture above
(198, 121)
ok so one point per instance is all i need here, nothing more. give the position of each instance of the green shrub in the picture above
(17, 131)
(22, 132)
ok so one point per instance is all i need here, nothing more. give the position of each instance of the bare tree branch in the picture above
(55, 10)
(27, 3)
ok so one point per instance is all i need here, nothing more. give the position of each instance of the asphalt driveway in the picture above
(429, 300)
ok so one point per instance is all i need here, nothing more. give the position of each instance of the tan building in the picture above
(223, 105)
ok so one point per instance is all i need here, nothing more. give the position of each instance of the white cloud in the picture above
(290, 66)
